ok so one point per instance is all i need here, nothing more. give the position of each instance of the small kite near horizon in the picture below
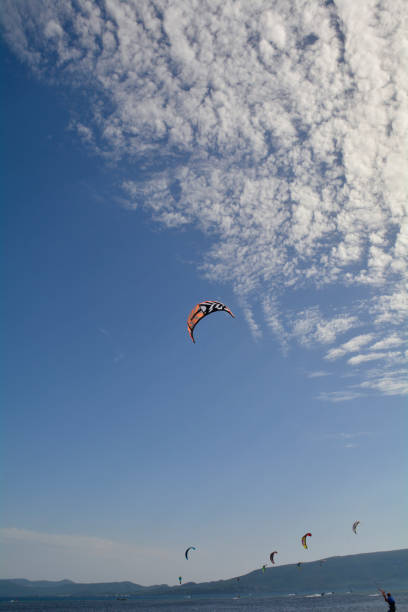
(271, 556)
(355, 525)
(304, 543)
(188, 550)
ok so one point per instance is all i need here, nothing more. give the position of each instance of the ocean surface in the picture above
(294, 603)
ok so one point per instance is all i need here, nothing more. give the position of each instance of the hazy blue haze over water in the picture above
(244, 604)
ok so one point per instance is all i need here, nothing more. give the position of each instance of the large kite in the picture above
(355, 525)
(304, 544)
(202, 309)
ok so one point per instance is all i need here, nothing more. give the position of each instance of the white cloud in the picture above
(351, 346)
(310, 326)
(356, 343)
(318, 374)
(335, 353)
(348, 438)
(391, 307)
(278, 129)
(53, 29)
(394, 382)
(357, 359)
(356, 434)
(254, 327)
(338, 396)
(386, 343)
(274, 321)
(392, 357)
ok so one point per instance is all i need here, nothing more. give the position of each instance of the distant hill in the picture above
(66, 588)
(357, 573)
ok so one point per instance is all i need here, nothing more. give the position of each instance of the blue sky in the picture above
(143, 175)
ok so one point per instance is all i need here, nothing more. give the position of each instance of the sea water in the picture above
(295, 603)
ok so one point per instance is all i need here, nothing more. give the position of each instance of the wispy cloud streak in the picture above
(88, 544)
(338, 396)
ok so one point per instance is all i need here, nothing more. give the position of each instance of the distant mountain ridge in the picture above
(66, 588)
(41, 583)
(357, 573)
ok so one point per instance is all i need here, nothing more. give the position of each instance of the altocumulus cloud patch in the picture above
(277, 129)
